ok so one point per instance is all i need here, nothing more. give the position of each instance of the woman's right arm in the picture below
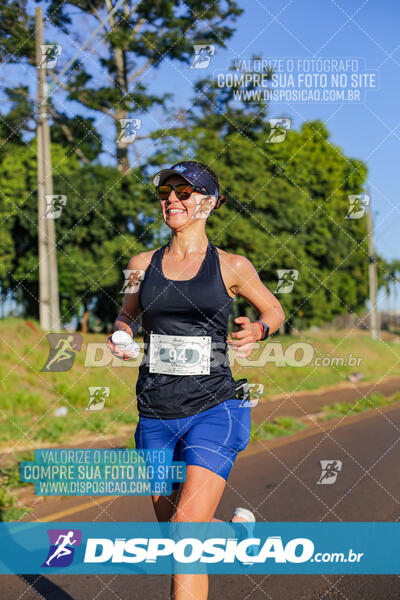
(127, 319)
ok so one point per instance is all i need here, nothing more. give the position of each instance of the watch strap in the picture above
(265, 330)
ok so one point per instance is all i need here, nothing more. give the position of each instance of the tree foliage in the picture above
(287, 207)
(137, 37)
(101, 226)
(287, 202)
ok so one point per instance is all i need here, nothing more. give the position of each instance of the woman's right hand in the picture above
(117, 351)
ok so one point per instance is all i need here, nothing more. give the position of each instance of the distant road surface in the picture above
(278, 481)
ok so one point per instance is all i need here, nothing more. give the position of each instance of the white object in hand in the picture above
(124, 343)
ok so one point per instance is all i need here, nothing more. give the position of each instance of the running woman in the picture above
(185, 389)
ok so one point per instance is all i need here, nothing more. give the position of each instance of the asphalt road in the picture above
(306, 402)
(278, 481)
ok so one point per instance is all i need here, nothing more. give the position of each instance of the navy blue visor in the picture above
(194, 174)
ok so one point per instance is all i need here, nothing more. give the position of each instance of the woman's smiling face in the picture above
(178, 213)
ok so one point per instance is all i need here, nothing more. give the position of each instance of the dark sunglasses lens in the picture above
(163, 192)
(183, 191)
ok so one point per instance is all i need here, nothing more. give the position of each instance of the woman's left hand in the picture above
(244, 339)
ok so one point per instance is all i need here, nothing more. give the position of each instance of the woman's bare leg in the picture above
(198, 501)
(165, 506)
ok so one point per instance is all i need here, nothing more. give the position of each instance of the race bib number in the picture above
(180, 355)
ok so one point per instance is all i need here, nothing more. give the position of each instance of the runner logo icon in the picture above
(60, 552)
(62, 351)
(202, 55)
(329, 471)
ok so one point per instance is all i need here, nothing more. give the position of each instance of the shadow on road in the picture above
(46, 588)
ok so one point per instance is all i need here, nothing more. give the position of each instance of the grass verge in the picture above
(343, 409)
(9, 481)
(281, 426)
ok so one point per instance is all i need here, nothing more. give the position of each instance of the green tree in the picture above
(107, 80)
(287, 207)
(101, 226)
(137, 37)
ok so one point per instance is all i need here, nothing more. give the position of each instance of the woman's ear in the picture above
(220, 201)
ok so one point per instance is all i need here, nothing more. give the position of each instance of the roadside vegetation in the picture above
(31, 398)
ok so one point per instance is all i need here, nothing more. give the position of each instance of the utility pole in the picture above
(373, 286)
(49, 308)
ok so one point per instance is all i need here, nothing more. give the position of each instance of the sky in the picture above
(363, 31)
(368, 129)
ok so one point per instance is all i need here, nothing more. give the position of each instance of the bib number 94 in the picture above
(180, 355)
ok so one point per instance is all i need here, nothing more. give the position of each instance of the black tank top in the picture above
(195, 307)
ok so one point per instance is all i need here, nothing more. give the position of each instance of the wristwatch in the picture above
(264, 330)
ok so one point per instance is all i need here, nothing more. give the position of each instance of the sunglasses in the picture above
(182, 191)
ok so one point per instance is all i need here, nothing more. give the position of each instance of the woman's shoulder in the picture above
(236, 262)
(141, 260)
(238, 271)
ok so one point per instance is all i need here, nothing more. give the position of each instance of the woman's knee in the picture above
(182, 515)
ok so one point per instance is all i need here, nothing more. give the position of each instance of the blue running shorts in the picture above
(211, 439)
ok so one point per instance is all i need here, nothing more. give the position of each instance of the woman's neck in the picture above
(188, 242)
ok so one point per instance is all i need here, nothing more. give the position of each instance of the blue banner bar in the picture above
(161, 548)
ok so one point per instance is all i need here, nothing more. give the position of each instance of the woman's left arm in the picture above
(249, 286)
